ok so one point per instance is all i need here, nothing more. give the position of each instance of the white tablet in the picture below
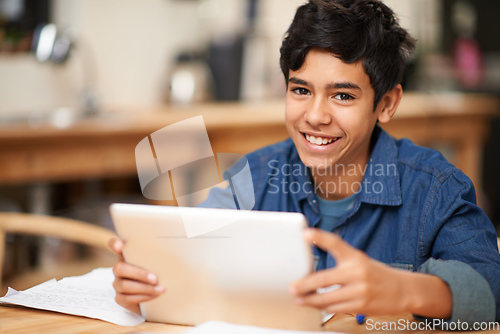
(233, 266)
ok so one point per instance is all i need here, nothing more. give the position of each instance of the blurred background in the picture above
(84, 75)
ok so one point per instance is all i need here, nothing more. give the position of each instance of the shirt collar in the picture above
(380, 185)
(381, 180)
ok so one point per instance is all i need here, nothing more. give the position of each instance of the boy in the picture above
(377, 205)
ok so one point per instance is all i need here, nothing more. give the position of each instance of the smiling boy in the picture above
(395, 225)
(330, 117)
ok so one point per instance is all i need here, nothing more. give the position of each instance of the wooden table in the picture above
(103, 146)
(21, 320)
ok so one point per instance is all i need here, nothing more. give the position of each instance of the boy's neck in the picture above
(340, 180)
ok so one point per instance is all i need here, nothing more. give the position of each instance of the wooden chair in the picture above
(62, 228)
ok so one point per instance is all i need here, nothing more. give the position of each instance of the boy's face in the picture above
(329, 111)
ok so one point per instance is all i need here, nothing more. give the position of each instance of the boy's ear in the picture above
(389, 104)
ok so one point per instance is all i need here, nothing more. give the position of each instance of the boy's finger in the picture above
(126, 286)
(131, 302)
(312, 282)
(320, 279)
(128, 271)
(329, 242)
(116, 246)
(323, 300)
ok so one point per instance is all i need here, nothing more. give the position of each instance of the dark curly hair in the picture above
(351, 30)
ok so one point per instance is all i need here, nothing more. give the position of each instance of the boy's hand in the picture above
(133, 285)
(368, 286)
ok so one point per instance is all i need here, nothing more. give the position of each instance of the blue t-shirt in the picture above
(331, 212)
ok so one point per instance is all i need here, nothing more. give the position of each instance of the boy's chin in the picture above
(319, 164)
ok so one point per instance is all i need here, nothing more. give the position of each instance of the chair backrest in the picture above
(63, 228)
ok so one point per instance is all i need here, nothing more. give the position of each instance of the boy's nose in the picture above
(318, 113)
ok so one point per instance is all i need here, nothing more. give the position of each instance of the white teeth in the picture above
(318, 140)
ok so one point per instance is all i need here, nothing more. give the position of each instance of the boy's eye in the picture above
(301, 91)
(343, 97)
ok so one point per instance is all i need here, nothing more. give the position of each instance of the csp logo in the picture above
(177, 163)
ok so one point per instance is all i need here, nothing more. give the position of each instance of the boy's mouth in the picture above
(320, 141)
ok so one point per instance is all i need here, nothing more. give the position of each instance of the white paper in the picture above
(218, 327)
(325, 315)
(90, 295)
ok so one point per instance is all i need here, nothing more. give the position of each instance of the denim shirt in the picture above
(413, 211)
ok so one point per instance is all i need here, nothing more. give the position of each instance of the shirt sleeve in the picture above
(460, 244)
(219, 198)
(468, 288)
(239, 190)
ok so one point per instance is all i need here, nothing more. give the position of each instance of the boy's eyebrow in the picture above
(298, 81)
(332, 85)
(344, 85)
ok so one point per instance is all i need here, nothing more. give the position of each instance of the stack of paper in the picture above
(90, 295)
